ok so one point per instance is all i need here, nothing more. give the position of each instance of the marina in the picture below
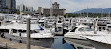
(68, 33)
(55, 24)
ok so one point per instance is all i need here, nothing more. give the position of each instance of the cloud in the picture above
(70, 5)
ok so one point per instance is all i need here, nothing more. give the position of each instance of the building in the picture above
(2, 4)
(7, 6)
(21, 7)
(55, 10)
(30, 9)
(11, 4)
(55, 5)
(24, 8)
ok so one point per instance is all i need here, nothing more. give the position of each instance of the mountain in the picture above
(95, 10)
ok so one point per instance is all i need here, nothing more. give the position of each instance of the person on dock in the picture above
(2, 34)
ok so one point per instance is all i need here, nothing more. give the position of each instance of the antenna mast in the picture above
(109, 14)
(102, 13)
(87, 11)
(51, 8)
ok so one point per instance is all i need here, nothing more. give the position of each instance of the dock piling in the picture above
(28, 33)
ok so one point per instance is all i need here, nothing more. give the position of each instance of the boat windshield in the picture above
(85, 29)
(51, 21)
(67, 20)
(73, 30)
(33, 31)
(59, 21)
(24, 31)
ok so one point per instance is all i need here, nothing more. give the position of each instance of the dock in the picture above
(5, 43)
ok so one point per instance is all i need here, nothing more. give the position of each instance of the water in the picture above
(86, 44)
(66, 43)
(59, 43)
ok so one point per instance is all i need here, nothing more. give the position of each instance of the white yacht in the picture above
(108, 27)
(85, 20)
(42, 21)
(73, 22)
(102, 41)
(59, 26)
(67, 22)
(17, 32)
(50, 22)
(79, 30)
(82, 30)
(84, 34)
(74, 37)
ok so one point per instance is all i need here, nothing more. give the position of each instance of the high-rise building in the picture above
(30, 9)
(2, 4)
(24, 8)
(7, 6)
(21, 7)
(11, 4)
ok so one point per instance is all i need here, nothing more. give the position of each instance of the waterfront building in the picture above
(7, 6)
(11, 4)
(30, 9)
(55, 10)
(21, 7)
(2, 4)
(24, 8)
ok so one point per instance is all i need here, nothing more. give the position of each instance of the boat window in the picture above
(85, 29)
(73, 30)
(109, 26)
(33, 31)
(14, 31)
(8, 21)
(4, 30)
(59, 28)
(67, 20)
(80, 48)
(88, 48)
(22, 31)
(103, 28)
(59, 21)
(51, 21)
(42, 19)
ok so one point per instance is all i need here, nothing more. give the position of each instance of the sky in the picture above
(69, 5)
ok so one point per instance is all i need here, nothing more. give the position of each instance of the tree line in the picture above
(87, 15)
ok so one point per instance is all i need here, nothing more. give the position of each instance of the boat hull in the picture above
(44, 42)
(79, 43)
(99, 45)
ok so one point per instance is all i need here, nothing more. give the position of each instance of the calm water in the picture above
(59, 43)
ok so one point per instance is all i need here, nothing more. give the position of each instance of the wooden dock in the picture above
(15, 45)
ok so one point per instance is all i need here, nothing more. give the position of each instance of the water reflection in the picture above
(80, 44)
(59, 43)
(69, 43)
(86, 44)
